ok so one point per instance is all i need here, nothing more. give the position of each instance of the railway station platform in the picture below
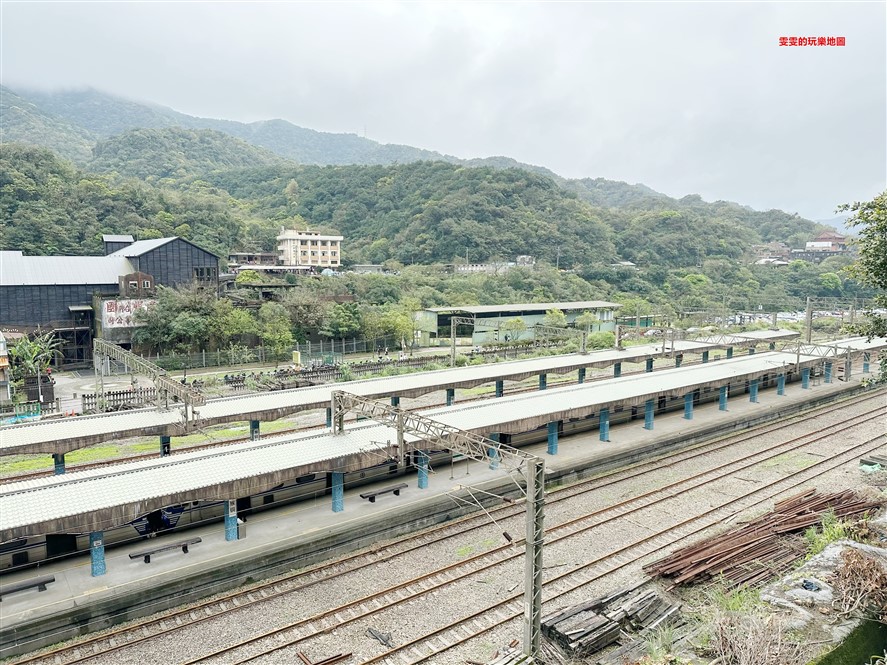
(301, 534)
(57, 437)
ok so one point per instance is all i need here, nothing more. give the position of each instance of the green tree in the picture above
(871, 267)
(247, 276)
(555, 318)
(274, 329)
(513, 329)
(341, 320)
(31, 357)
(587, 321)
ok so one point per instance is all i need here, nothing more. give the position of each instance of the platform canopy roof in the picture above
(98, 499)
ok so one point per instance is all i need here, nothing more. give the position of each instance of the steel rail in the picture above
(265, 591)
(331, 619)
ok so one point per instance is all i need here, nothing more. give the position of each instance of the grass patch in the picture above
(831, 530)
(790, 461)
(464, 551)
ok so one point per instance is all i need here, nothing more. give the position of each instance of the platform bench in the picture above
(162, 548)
(39, 582)
(394, 489)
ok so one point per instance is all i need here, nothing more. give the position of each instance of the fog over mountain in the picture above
(685, 98)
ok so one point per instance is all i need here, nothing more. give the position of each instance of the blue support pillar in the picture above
(753, 390)
(705, 356)
(772, 346)
(253, 429)
(543, 381)
(780, 384)
(97, 553)
(395, 400)
(581, 375)
(617, 370)
(231, 520)
(688, 406)
(805, 378)
(722, 398)
(751, 350)
(552, 436)
(729, 352)
(828, 371)
(423, 470)
(866, 359)
(493, 452)
(649, 405)
(338, 491)
(329, 416)
(165, 445)
(649, 367)
(500, 388)
(678, 359)
(451, 396)
(605, 425)
(58, 460)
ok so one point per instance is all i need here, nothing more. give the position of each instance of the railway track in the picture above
(151, 629)
(456, 633)
(334, 619)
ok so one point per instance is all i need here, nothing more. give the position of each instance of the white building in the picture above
(303, 248)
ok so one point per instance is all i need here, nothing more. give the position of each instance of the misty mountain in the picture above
(105, 115)
(173, 152)
(25, 122)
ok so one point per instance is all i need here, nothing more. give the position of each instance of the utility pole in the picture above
(808, 321)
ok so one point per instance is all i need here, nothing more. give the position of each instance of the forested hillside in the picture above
(690, 253)
(22, 121)
(47, 206)
(174, 152)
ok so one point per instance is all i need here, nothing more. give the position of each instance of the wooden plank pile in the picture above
(596, 624)
(760, 549)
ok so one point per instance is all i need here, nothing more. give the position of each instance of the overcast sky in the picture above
(683, 97)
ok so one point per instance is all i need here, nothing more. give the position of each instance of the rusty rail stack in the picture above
(762, 548)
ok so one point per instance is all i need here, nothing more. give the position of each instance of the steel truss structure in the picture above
(165, 386)
(553, 331)
(481, 449)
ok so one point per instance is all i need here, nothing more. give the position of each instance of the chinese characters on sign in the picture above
(119, 313)
(812, 41)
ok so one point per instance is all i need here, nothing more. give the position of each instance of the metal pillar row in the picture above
(165, 445)
(722, 398)
(254, 430)
(581, 375)
(753, 390)
(500, 388)
(543, 381)
(58, 463)
(617, 370)
(649, 407)
(688, 406)
(649, 367)
(451, 396)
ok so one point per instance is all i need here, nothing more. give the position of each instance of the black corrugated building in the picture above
(56, 292)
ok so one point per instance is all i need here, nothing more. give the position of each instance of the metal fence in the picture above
(331, 351)
(118, 399)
